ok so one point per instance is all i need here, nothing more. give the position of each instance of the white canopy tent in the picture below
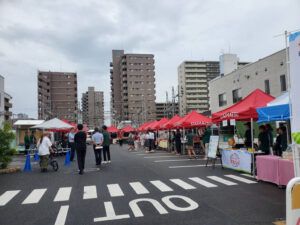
(53, 124)
(280, 100)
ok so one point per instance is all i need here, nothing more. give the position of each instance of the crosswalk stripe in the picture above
(248, 175)
(203, 182)
(139, 188)
(62, 215)
(241, 179)
(35, 196)
(174, 160)
(183, 184)
(162, 156)
(115, 190)
(221, 180)
(161, 186)
(89, 192)
(63, 194)
(191, 166)
(7, 196)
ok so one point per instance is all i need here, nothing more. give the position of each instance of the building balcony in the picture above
(111, 70)
(8, 105)
(111, 64)
(8, 113)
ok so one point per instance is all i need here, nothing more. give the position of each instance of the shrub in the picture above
(6, 152)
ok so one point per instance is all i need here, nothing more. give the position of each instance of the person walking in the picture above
(106, 144)
(136, 141)
(121, 139)
(206, 138)
(147, 141)
(26, 143)
(190, 144)
(80, 145)
(44, 148)
(97, 139)
(152, 140)
(178, 142)
(131, 141)
(71, 143)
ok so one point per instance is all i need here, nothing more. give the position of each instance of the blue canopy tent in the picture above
(277, 110)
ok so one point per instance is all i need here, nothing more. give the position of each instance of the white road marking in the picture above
(203, 182)
(175, 160)
(241, 179)
(190, 166)
(90, 192)
(115, 190)
(139, 188)
(248, 175)
(7, 196)
(35, 196)
(161, 186)
(63, 194)
(221, 180)
(162, 156)
(154, 154)
(62, 215)
(110, 214)
(183, 184)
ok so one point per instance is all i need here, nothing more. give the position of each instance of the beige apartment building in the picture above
(267, 74)
(93, 108)
(57, 95)
(132, 87)
(167, 110)
(5, 104)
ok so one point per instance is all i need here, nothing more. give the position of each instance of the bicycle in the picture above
(53, 163)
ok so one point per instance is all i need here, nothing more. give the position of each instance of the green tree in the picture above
(6, 152)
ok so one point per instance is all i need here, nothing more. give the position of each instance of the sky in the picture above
(78, 36)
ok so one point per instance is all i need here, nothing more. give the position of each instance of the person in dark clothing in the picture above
(106, 143)
(32, 138)
(283, 138)
(263, 140)
(178, 142)
(26, 142)
(269, 130)
(247, 137)
(80, 145)
(277, 145)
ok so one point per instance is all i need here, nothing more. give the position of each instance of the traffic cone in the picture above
(67, 159)
(27, 167)
(36, 157)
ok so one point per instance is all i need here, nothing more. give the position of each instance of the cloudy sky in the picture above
(78, 36)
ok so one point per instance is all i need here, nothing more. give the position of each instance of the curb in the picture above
(10, 170)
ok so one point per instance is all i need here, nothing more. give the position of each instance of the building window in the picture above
(222, 99)
(267, 87)
(282, 83)
(236, 95)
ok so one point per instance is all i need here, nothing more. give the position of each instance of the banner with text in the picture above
(237, 160)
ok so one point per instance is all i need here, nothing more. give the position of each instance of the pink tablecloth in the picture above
(286, 171)
(267, 168)
(274, 169)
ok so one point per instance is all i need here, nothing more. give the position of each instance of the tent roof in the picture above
(245, 109)
(193, 119)
(113, 129)
(28, 122)
(53, 124)
(170, 123)
(273, 113)
(142, 126)
(280, 100)
(127, 129)
(161, 122)
(147, 127)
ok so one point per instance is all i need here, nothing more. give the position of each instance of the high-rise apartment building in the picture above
(132, 87)
(93, 108)
(5, 104)
(57, 95)
(193, 78)
(167, 110)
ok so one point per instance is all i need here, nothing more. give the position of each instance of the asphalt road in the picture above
(138, 188)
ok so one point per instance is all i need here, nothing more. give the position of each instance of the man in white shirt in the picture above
(97, 139)
(71, 143)
(44, 148)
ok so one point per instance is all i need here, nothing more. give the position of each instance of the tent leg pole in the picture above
(252, 146)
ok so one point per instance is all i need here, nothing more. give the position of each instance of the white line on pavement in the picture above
(35, 196)
(182, 184)
(154, 153)
(115, 190)
(248, 175)
(62, 215)
(90, 192)
(161, 186)
(63, 194)
(221, 180)
(162, 156)
(175, 160)
(139, 188)
(241, 179)
(202, 182)
(7, 196)
(190, 166)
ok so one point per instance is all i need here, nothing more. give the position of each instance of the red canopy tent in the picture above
(142, 126)
(113, 129)
(245, 109)
(193, 119)
(161, 122)
(128, 129)
(169, 125)
(66, 121)
(147, 127)
(153, 125)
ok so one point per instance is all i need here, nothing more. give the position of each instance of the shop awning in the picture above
(245, 109)
(169, 125)
(128, 129)
(193, 119)
(113, 129)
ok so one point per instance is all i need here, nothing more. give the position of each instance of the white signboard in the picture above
(213, 146)
(232, 122)
(225, 123)
(237, 160)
